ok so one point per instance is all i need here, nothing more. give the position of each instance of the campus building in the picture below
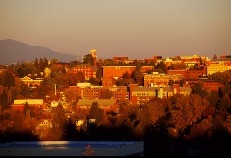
(31, 83)
(88, 70)
(105, 104)
(141, 95)
(160, 80)
(209, 84)
(119, 92)
(116, 71)
(219, 67)
(20, 103)
(86, 92)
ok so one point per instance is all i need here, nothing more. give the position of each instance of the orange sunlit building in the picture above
(188, 74)
(88, 70)
(120, 92)
(209, 84)
(160, 80)
(86, 92)
(116, 71)
(31, 83)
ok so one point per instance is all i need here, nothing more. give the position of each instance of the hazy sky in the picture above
(135, 28)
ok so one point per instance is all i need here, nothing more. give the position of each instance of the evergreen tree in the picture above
(161, 67)
(26, 107)
(4, 100)
(138, 77)
(45, 62)
(59, 122)
(25, 91)
(106, 94)
(21, 71)
(36, 62)
(96, 112)
(214, 57)
(88, 59)
(8, 79)
(70, 130)
(197, 89)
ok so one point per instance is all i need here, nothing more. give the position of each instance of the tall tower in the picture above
(94, 56)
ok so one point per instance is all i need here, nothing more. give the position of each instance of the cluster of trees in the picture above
(34, 68)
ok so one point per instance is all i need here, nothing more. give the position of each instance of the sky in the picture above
(138, 29)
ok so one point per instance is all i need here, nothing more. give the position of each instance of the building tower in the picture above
(94, 56)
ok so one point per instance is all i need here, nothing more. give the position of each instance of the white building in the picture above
(29, 101)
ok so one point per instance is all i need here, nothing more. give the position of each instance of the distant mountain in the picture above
(12, 51)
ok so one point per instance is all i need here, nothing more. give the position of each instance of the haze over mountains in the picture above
(12, 51)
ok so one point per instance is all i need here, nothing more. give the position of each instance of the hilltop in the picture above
(13, 51)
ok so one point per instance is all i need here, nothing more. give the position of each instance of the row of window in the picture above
(86, 91)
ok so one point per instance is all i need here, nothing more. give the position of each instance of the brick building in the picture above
(193, 60)
(120, 59)
(160, 80)
(116, 71)
(195, 74)
(169, 62)
(108, 82)
(120, 92)
(86, 92)
(146, 68)
(188, 74)
(209, 84)
(88, 70)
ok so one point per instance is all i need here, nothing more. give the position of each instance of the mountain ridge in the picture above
(12, 51)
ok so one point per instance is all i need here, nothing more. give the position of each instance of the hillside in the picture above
(12, 51)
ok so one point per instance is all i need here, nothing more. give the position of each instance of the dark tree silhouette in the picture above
(96, 112)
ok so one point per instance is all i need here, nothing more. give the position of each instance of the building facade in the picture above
(31, 83)
(160, 80)
(108, 82)
(221, 67)
(169, 62)
(116, 71)
(120, 93)
(193, 60)
(194, 74)
(105, 104)
(209, 84)
(120, 59)
(86, 92)
(88, 70)
(141, 95)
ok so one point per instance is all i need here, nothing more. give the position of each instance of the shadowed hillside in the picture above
(12, 51)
